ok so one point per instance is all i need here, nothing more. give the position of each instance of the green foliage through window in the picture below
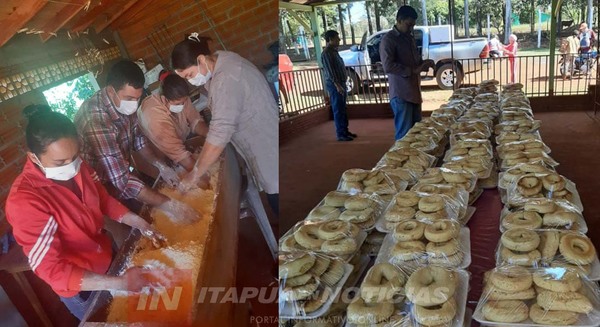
(67, 97)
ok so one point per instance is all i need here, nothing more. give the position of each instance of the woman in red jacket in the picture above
(56, 208)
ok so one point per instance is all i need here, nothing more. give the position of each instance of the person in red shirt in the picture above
(56, 208)
(511, 51)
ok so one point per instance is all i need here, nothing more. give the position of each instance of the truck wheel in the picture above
(447, 75)
(352, 82)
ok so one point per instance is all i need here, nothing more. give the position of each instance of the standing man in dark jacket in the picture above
(403, 64)
(335, 82)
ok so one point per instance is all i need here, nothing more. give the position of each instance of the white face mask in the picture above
(127, 107)
(200, 79)
(62, 173)
(176, 108)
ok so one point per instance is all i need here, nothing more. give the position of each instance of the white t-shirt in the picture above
(494, 44)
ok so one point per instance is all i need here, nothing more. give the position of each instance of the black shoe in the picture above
(345, 139)
(352, 135)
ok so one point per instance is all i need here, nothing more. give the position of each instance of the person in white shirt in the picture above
(495, 47)
(587, 38)
(571, 51)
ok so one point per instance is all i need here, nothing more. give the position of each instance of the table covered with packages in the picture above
(464, 221)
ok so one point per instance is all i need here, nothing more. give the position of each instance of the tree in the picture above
(83, 87)
(67, 98)
(507, 20)
(424, 13)
(377, 17)
(323, 18)
(349, 7)
(282, 38)
(66, 106)
(466, 18)
(343, 30)
(590, 12)
(369, 18)
(495, 11)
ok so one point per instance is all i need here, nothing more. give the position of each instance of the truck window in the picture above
(373, 48)
(418, 34)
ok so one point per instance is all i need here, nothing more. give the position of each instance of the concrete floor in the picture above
(311, 164)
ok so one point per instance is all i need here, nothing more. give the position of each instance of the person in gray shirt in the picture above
(335, 82)
(403, 64)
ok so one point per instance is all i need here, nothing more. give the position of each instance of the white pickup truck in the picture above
(434, 42)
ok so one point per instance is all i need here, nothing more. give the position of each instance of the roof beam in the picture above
(101, 26)
(294, 6)
(15, 14)
(62, 18)
(88, 18)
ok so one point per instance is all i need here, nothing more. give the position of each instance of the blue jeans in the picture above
(338, 106)
(79, 304)
(406, 114)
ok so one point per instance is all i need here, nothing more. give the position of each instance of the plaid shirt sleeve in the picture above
(333, 70)
(139, 139)
(103, 142)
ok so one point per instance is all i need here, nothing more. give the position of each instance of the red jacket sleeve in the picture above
(108, 205)
(36, 230)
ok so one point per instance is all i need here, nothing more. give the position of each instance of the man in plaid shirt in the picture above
(109, 132)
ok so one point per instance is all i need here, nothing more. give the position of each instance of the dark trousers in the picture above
(338, 106)
(406, 114)
(273, 200)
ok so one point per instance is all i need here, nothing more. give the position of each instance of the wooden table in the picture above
(218, 266)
